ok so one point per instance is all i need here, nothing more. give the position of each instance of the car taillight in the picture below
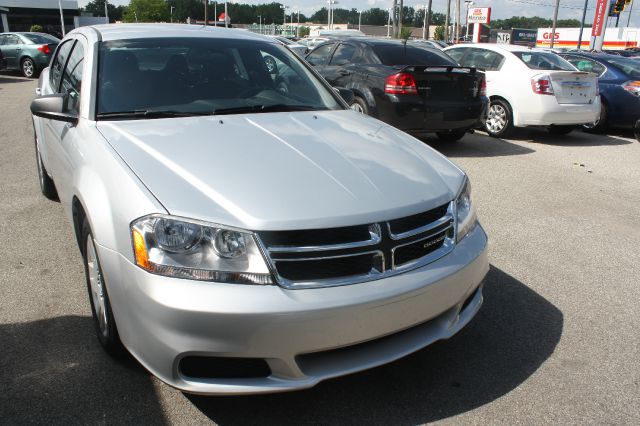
(483, 87)
(401, 83)
(44, 49)
(632, 87)
(541, 84)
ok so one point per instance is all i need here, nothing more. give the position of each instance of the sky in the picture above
(500, 9)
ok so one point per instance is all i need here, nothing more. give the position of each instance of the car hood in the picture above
(275, 171)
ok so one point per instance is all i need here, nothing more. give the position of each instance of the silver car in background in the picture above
(242, 230)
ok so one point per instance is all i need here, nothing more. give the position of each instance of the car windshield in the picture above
(630, 67)
(544, 61)
(401, 54)
(41, 38)
(162, 77)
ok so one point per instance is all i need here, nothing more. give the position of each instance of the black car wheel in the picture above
(359, 105)
(28, 68)
(451, 135)
(47, 187)
(499, 122)
(98, 297)
(600, 125)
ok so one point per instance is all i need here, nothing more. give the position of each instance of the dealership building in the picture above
(19, 15)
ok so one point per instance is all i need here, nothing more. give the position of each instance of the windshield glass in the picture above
(544, 61)
(631, 67)
(195, 76)
(399, 54)
(41, 38)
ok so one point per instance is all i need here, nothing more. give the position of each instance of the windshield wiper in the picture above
(265, 108)
(150, 113)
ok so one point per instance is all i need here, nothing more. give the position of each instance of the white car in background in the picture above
(297, 48)
(531, 87)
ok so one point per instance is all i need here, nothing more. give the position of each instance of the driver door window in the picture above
(344, 55)
(72, 79)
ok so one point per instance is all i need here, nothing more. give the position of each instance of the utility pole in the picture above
(428, 19)
(206, 14)
(226, 15)
(446, 22)
(555, 21)
(388, 21)
(359, 19)
(400, 17)
(458, 22)
(106, 11)
(61, 17)
(630, 9)
(584, 15)
(172, 7)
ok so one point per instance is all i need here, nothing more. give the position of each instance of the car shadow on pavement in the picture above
(54, 371)
(476, 145)
(575, 138)
(513, 334)
(9, 77)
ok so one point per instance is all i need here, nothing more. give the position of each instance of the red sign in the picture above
(598, 19)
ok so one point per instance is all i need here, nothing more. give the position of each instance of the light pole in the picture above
(468, 3)
(359, 19)
(388, 22)
(260, 24)
(424, 23)
(226, 15)
(172, 7)
(284, 16)
(330, 16)
(106, 11)
(62, 17)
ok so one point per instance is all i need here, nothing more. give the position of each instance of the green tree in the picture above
(96, 8)
(439, 33)
(36, 28)
(405, 33)
(532, 22)
(146, 11)
(304, 31)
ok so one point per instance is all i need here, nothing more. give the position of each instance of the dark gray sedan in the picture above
(27, 52)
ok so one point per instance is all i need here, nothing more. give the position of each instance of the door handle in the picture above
(344, 72)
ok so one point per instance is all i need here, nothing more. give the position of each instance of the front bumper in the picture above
(161, 320)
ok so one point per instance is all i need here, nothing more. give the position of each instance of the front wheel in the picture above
(28, 68)
(98, 297)
(451, 135)
(359, 105)
(499, 122)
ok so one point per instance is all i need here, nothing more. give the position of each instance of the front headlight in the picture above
(465, 211)
(182, 248)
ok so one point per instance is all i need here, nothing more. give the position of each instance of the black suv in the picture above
(413, 88)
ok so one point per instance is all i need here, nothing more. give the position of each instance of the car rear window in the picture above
(631, 67)
(41, 38)
(544, 61)
(410, 55)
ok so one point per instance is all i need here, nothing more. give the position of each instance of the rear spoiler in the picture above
(438, 68)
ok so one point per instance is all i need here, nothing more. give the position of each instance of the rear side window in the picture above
(401, 54)
(12, 39)
(58, 63)
(344, 55)
(3, 40)
(483, 59)
(544, 61)
(72, 78)
(41, 38)
(630, 67)
(320, 56)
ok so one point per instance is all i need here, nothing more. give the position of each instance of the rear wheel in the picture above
(560, 130)
(451, 135)
(499, 122)
(359, 105)
(98, 297)
(600, 125)
(28, 68)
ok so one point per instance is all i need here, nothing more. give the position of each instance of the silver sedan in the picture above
(243, 230)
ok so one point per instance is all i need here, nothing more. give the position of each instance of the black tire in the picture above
(636, 130)
(47, 187)
(28, 68)
(360, 105)
(499, 121)
(560, 130)
(599, 126)
(451, 135)
(105, 325)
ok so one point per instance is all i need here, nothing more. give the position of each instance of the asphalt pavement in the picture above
(557, 340)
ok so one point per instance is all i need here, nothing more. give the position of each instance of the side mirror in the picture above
(53, 108)
(346, 94)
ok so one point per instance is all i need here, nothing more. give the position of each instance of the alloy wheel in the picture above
(497, 118)
(27, 68)
(357, 107)
(97, 285)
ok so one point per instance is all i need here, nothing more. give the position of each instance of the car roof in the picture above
(374, 41)
(133, 31)
(501, 47)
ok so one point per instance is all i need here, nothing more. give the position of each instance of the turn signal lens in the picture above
(140, 250)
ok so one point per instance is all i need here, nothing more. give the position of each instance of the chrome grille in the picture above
(353, 254)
